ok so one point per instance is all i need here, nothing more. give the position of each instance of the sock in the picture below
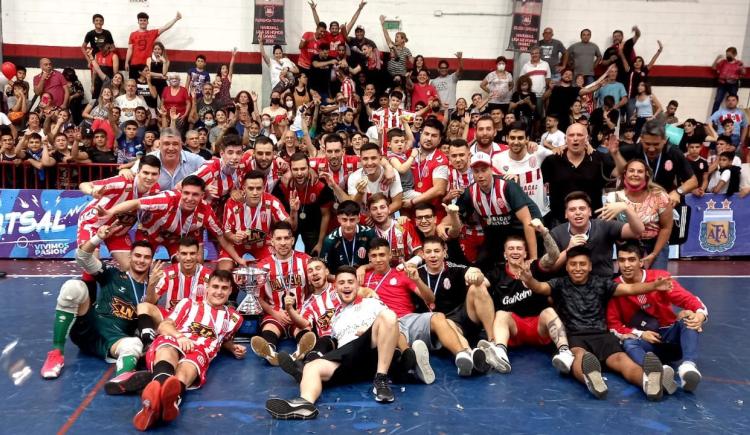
(271, 338)
(162, 371)
(503, 347)
(381, 376)
(183, 387)
(63, 323)
(563, 348)
(146, 326)
(126, 363)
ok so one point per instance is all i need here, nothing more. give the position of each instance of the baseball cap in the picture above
(480, 158)
(359, 27)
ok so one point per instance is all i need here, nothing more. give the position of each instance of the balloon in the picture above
(9, 70)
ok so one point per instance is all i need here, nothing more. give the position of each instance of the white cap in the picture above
(482, 158)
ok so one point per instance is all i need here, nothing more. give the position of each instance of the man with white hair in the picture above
(176, 163)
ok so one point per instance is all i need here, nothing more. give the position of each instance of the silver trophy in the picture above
(250, 280)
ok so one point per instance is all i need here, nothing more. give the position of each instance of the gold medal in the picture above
(419, 185)
(302, 215)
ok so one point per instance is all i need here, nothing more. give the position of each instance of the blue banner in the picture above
(713, 229)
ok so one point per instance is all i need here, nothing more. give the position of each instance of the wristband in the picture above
(95, 240)
(680, 191)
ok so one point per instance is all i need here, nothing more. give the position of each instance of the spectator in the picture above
(553, 52)
(206, 103)
(637, 73)
(604, 118)
(109, 63)
(670, 115)
(193, 145)
(176, 98)
(401, 56)
(197, 76)
(540, 74)
(96, 39)
(731, 111)
(141, 43)
(53, 83)
(129, 146)
(726, 179)
(99, 151)
(308, 46)
(128, 102)
(145, 89)
(699, 165)
(158, 66)
(176, 163)
(499, 85)
(422, 91)
(729, 71)
(585, 56)
(523, 102)
(446, 83)
(621, 53)
(647, 107)
(561, 95)
(552, 138)
(320, 71)
(418, 65)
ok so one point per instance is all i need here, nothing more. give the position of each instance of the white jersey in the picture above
(349, 319)
(529, 172)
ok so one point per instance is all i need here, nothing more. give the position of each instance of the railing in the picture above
(63, 176)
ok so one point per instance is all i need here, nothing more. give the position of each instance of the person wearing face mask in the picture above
(499, 84)
(275, 109)
(729, 70)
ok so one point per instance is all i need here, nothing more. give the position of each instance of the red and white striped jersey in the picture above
(403, 239)
(216, 173)
(206, 326)
(529, 172)
(256, 221)
(385, 120)
(488, 205)
(175, 286)
(285, 276)
(349, 91)
(495, 149)
(319, 309)
(114, 191)
(166, 221)
(462, 180)
(273, 174)
(349, 164)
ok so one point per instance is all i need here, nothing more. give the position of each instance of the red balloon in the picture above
(9, 70)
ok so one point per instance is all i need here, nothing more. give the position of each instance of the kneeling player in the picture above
(188, 341)
(366, 332)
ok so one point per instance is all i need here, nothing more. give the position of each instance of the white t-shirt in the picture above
(4, 120)
(353, 317)
(276, 67)
(557, 138)
(538, 74)
(717, 176)
(374, 187)
(127, 107)
(529, 172)
(500, 87)
(446, 87)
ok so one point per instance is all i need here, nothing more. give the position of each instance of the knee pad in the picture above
(72, 294)
(130, 346)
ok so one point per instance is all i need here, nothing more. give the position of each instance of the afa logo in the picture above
(717, 227)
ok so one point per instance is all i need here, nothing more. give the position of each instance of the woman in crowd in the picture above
(224, 82)
(499, 84)
(158, 66)
(523, 102)
(647, 106)
(176, 97)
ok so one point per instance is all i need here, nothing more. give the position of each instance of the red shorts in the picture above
(257, 252)
(527, 332)
(286, 331)
(121, 243)
(197, 357)
(172, 246)
(470, 244)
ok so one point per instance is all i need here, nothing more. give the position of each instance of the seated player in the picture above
(286, 277)
(186, 279)
(366, 332)
(522, 317)
(580, 299)
(647, 323)
(109, 192)
(401, 233)
(247, 223)
(347, 244)
(176, 213)
(188, 341)
(105, 329)
(427, 225)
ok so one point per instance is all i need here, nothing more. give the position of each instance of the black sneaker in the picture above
(382, 390)
(290, 366)
(480, 361)
(592, 374)
(407, 360)
(128, 383)
(295, 409)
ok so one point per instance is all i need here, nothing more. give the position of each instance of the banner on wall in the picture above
(524, 30)
(713, 227)
(43, 224)
(269, 19)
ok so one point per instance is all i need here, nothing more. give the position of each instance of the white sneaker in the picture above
(496, 356)
(465, 363)
(563, 361)
(667, 380)
(690, 377)
(653, 372)
(423, 369)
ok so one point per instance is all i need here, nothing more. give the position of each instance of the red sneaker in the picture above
(53, 365)
(170, 399)
(150, 411)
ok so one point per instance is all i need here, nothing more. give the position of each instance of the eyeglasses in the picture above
(423, 218)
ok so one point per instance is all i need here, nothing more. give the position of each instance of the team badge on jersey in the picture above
(393, 281)
(447, 283)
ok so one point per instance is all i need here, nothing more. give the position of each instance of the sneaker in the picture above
(264, 350)
(423, 370)
(653, 372)
(592, 374)
(306, 344)
(53, 365)
(295, 409)
(128, 382)
(170, 399)
(667, 380)
(150, 407)
(690, 377)
(382, 390)
(407, 360)
(290, 366)
(465, 363)
(563, 361)
(479, 358)
(496, 356)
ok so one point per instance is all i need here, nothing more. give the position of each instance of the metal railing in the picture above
(62, 176)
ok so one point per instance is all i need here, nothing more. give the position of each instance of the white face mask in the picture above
(501, 66)
(266, 124)
(290, 104)
(209, 122)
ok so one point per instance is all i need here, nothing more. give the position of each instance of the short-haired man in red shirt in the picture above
(141, 44)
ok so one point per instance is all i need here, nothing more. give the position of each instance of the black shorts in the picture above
(601, 344)
(358, 359)
(469, 329)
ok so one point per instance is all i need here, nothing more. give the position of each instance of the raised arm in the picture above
(314, 8)
(348, 27)
(231, 63)
(652, 62)
(171, 23)
(636, 35)
(388, 39)
(262, 49)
